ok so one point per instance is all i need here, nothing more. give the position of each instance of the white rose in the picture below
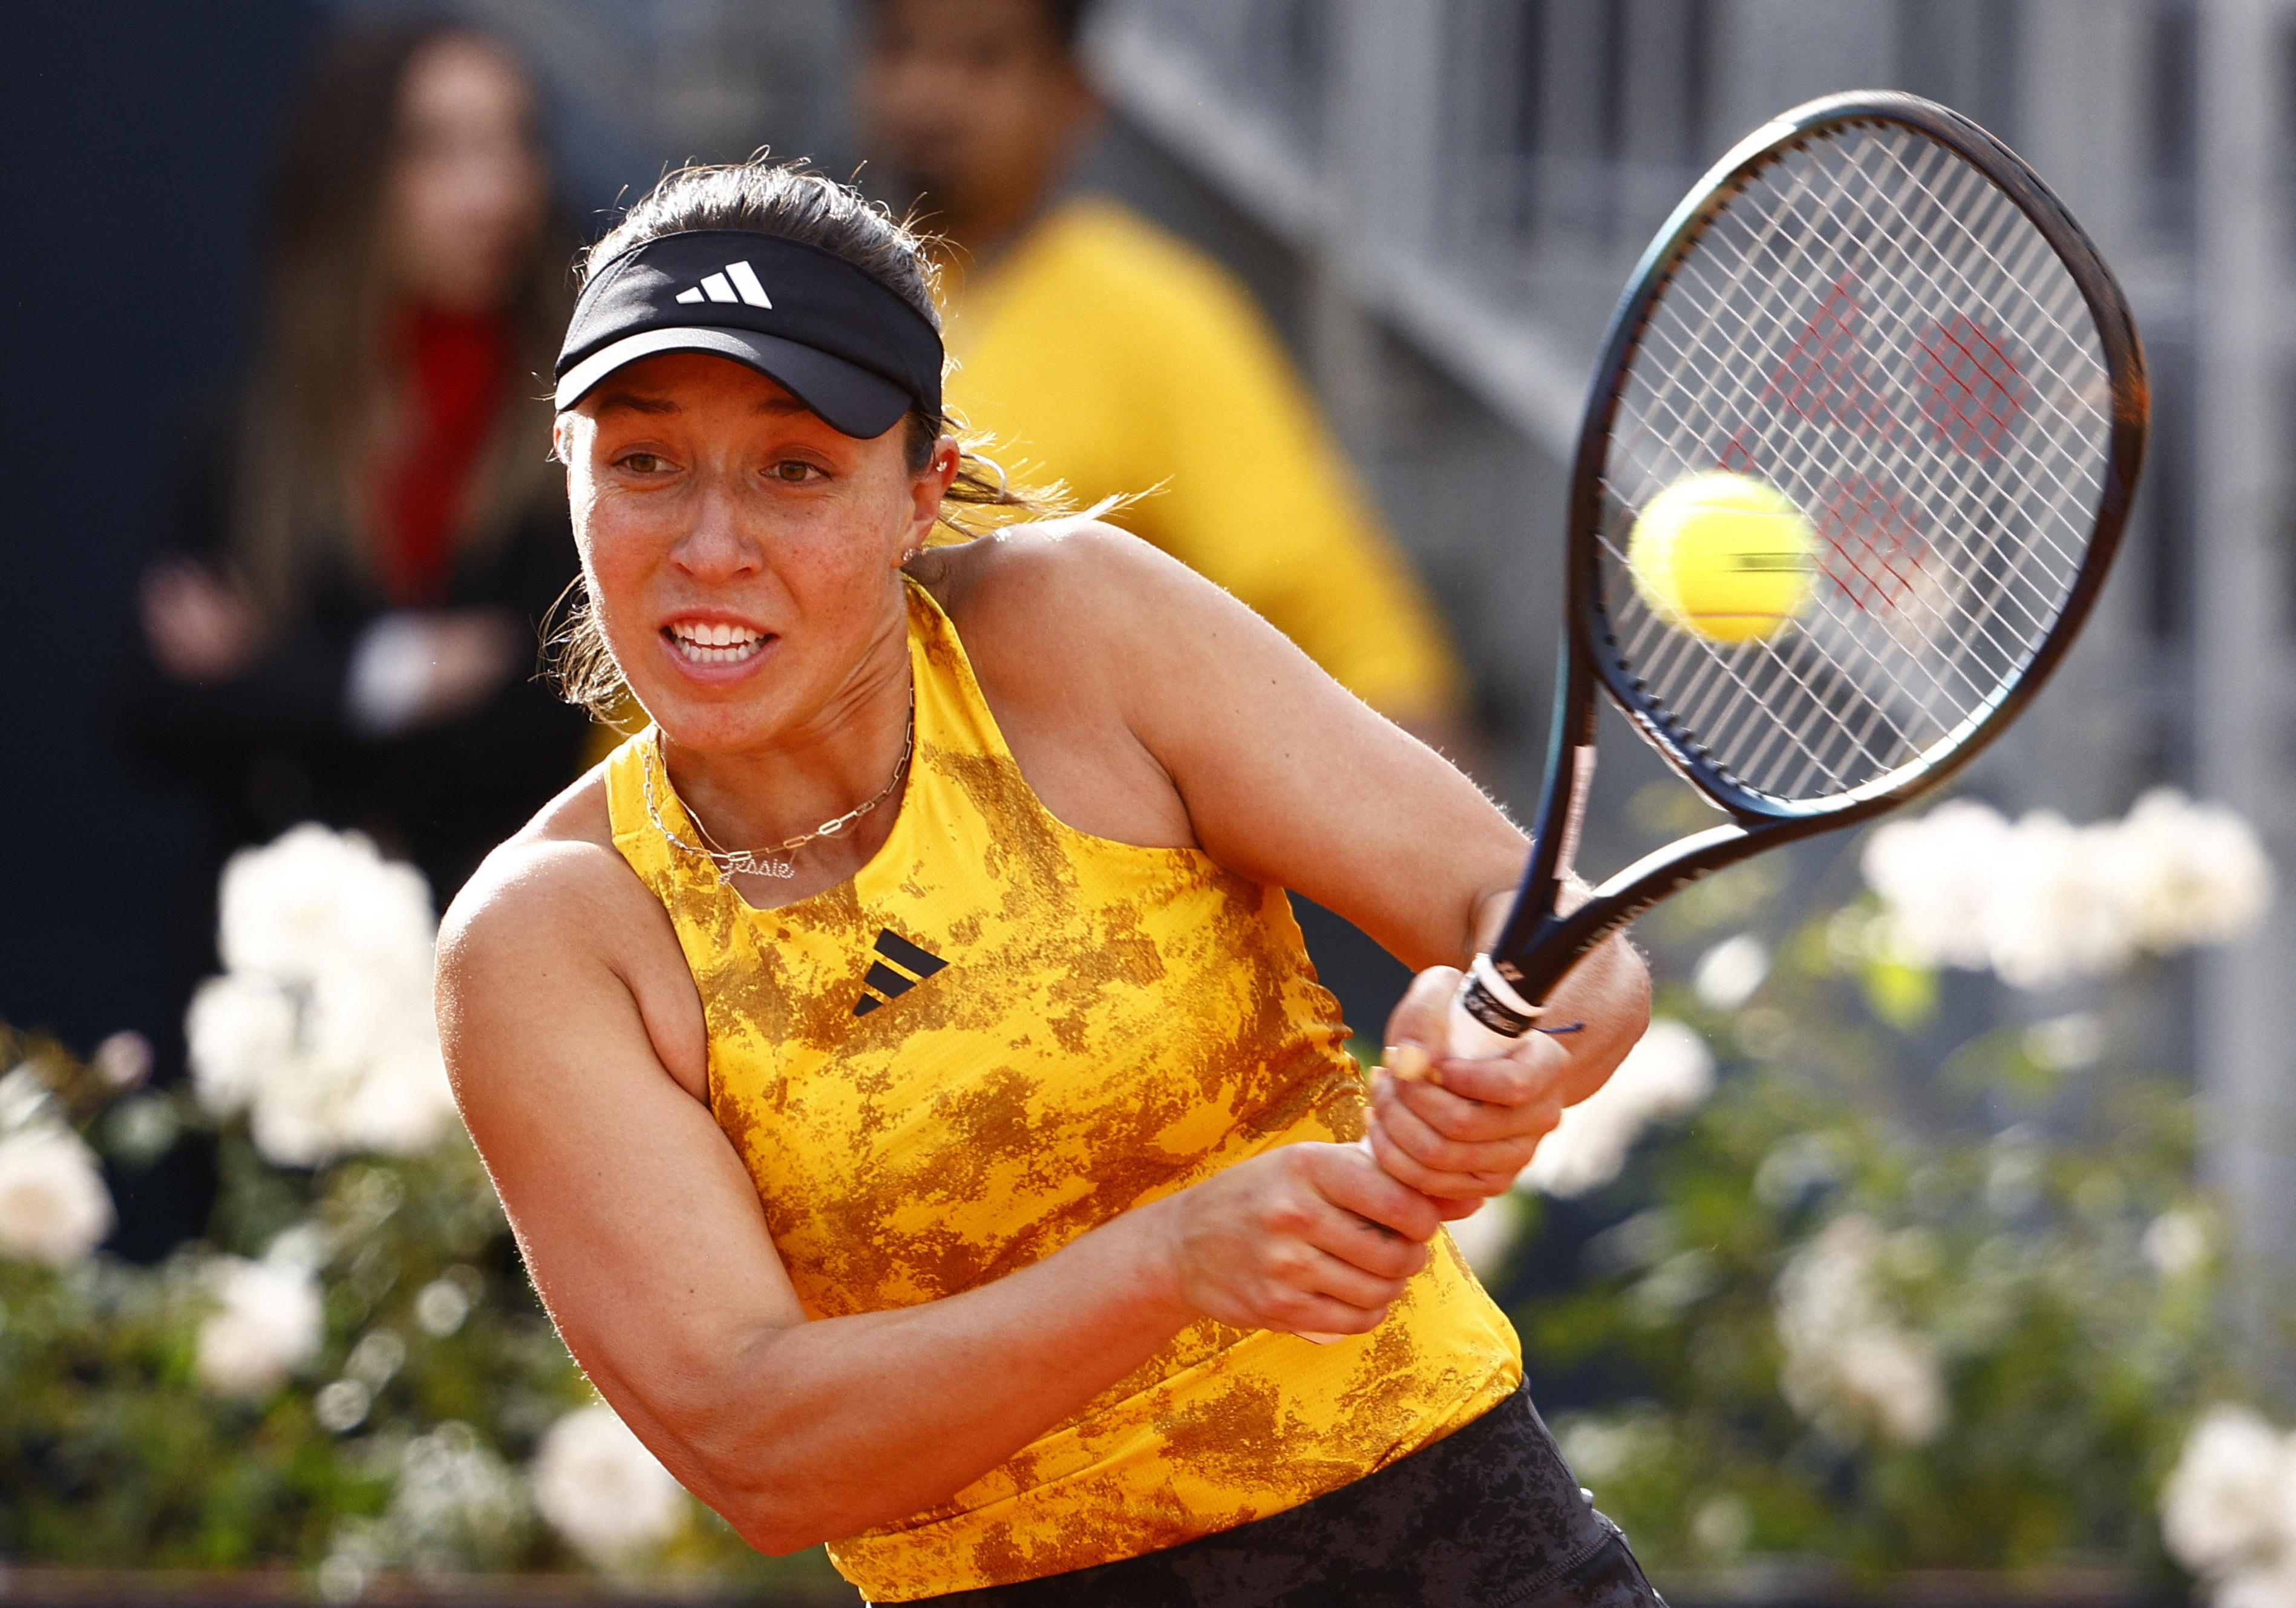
(2058, 907)
(268, 1322)
(1847, 1347)
(296, 1111)
(404, 1104)
(324, 1032)
(25, 1100)
(457, 1501)
(1722, 1525)
(1669, 1072)
(601, 1489)
(242, 1037)
(2269, 1585)
(315, 901)
(2043, 901)
(1728, 973)
(54, 1206)
(1826, 1292)
(2175, 1242)
(374, 1080)
(2196, 873)
(1937, 874)
(306, 1245)
(358, 1010)
(293, 1118)
(2226, 1502)
(1895, 1376)
(456, 1506)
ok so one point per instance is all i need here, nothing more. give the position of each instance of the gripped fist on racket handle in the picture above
(1456, 1109)
(1309, 1236)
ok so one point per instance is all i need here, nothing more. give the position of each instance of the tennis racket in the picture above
(1876, 307)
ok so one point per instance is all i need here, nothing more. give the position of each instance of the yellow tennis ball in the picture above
(1723, 556)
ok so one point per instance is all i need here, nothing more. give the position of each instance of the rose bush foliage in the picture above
(1924, 1283)
(1818, 1275)
(348, 1370)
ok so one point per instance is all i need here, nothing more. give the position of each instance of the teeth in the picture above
(717, 644)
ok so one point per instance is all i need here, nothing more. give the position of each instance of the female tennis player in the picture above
(899, 1061)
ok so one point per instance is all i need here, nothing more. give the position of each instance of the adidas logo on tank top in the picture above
(920, 964)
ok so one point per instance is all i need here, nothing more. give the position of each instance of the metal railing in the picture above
(1476, 175)
(1481, 173)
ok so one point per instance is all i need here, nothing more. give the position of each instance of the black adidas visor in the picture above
(845, 345)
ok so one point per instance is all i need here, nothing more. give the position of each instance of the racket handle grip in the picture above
(1467, 1037)
(1486, 1018)
(1487, 1014)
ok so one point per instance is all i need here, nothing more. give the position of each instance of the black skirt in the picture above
(1486, 1517)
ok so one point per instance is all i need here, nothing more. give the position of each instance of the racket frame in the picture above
(1538, 943)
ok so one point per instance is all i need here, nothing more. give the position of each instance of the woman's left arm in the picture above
(1284, 777)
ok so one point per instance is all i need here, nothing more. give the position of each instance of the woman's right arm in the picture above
(576, 1041)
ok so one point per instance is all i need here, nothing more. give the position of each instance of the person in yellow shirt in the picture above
(1102, 352)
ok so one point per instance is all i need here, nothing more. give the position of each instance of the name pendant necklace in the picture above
(774, 862)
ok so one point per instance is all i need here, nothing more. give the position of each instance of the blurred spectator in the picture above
(339, 619)
(1102, 351)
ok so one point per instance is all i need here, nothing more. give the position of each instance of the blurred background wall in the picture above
(140, 138)
(1437, 203)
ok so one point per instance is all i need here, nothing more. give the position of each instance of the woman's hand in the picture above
(415, 668)
(200, 629)
(1312, 1238)
(473, 652)
(1463, 1128)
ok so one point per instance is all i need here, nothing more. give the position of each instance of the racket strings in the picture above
(1875, 328)
(1780, 329)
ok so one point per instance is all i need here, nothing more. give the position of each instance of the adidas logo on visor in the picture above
(736, 282)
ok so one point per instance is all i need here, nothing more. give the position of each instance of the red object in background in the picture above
(455, 364)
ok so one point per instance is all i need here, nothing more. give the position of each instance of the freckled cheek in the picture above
(814, 567)
(828, 566)
(626, 624)
(615, 561)
(620, 562)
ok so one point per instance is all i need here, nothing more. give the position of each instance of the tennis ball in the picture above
(1723, 557)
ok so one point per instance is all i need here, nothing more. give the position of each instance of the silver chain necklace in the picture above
(732, 863)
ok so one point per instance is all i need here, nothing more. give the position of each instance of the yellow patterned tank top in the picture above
(998, 1034)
